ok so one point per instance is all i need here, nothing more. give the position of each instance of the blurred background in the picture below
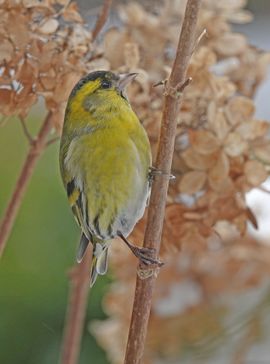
(41, 249)
(40, 252)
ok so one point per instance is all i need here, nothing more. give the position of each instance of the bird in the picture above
(105, 163)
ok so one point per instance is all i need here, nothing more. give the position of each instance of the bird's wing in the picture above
(84, 242)
(72, 176)
(105, 183)
(78, 202)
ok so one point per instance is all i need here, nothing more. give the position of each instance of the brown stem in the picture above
(26, 131)
(145, 283)
(36, 148)
(51, 141)
(80, 277)
(101, 19)
(80, 286)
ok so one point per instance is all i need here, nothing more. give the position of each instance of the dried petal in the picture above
(220, 171)
(132, 56)
(203, 141)
(58, 118)
(6, 50)
(48, 80)
(235, 145)
(241, 17)
(198, 161)
(64, 86)
(239, 109)
(17, 25)
(255, 172)
(49, 26)
(6, 101)
(192, 182)
(226, 230)
(230, 5)
(231, 44)
(113, 41)
(262, 153)
(252, 129)
(218, 123)
(71, 12)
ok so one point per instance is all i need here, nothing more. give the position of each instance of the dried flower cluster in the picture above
(45, 48)
(221, 152)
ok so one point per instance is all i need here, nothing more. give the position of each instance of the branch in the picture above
(36, 148)
(26, 131)
(76, 310)
(102, 18)
(145, 282)
(53, 140)
(80, 277)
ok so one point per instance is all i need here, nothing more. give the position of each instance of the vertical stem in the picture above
(75, 316)
(156, 211)
(80, 276)
(102, 18)
(36, 149)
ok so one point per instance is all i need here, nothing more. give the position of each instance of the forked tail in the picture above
(99, 259)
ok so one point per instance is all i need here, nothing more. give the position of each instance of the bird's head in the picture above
(101, 87)
(98, 98)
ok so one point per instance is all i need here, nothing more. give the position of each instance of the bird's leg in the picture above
(153, 171)
(141, 253)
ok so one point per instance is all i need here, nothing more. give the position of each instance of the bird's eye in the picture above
(105, 84)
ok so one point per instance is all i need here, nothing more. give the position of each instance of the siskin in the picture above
(105, 159)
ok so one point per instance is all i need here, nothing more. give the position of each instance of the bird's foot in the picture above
(153, 172)
(144, 255)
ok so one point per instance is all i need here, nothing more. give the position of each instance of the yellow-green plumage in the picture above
(104, 159)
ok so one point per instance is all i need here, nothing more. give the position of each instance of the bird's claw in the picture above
(153, 172)
(144, 255)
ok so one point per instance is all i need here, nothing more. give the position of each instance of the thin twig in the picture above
(14, 204)
(77, 303)
(26, 131)
(51, 141)
(4, 119)
(80, 279)
(156, 211)
(200, 38)
(102, 18)
(263, 189)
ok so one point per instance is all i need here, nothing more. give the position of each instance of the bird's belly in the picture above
(114, 181)
(121, 205)
(123, 216)
(129, 216)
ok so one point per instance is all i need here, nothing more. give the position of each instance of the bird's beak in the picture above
(125, 79)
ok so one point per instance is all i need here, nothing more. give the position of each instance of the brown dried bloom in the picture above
(221, 152)
(45, 48)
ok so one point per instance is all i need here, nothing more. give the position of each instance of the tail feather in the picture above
(94, 272)
(102, 262)
(82, 248)
(99, 261)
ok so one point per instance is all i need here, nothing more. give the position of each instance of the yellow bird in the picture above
(105, 159)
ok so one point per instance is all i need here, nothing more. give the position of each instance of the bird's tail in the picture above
(99, 260)
(84, 241)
